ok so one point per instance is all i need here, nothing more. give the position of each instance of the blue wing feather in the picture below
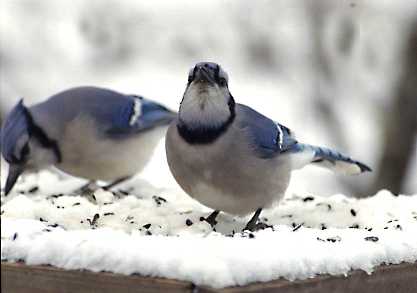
(151, 115)
(268, 137)
(111, 110)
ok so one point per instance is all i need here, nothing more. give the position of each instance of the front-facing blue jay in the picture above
(88, 132)
(230, 157)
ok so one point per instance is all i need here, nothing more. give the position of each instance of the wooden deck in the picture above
(19, 278)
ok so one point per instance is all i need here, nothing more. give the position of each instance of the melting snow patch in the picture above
(156, 232)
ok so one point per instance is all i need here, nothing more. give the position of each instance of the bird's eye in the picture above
(191, 74)
(222, 81)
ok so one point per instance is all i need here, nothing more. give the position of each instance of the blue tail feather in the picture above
(328, 158)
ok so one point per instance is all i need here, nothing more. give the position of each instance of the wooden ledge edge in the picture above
(18, 277)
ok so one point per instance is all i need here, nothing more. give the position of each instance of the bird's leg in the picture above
(91, 186)
(87, 188)
(116, 182)
(211, 219)
(253, 224)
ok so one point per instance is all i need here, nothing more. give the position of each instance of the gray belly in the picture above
(106, 159)
(226, 175)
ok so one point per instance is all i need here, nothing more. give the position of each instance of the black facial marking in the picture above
(42, 137)
(212, 70)
(25, 152)
(216, 73)
(206, 134)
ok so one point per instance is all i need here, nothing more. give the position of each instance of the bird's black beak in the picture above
(202, 74)
(14, 173)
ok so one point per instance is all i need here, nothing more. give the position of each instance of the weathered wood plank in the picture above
(400, 278)
(19, 278)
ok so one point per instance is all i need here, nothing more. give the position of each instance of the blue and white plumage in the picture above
(89, 132)
(232, 158)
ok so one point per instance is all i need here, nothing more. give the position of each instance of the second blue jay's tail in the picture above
(304, 154)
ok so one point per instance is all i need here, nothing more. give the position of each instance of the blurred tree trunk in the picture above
(400, 125)
(319, 12)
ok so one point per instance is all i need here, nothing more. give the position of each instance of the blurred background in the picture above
(339, 73)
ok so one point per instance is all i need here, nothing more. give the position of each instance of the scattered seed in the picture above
(297, 227)
(188, 222)
(308, 198)
(334, 239)
(159, 200)
(147, 226)
(94, 197)
(46, 230)
(109, 214)
(354, 226)
(93, 222)
(33, 189)
(251, 235)
(76, 204)
(107, 203)
(353, 212)
(2, 212)
(320, 239)
(53, 225)
(286, 216)
(148, 232)
(385, 228)
(323, 226)
(329, 207)
(14, 236)
(398, 227)
(372, 238)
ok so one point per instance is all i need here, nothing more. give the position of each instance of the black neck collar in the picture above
(206, 134)
(42, 137)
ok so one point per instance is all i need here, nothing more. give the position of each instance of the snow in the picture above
(285, 89)
(157, 232)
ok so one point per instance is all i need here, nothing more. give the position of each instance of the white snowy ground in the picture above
(157, 232)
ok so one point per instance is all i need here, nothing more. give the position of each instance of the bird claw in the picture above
(256, 227)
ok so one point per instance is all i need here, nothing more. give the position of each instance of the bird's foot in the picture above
(88, 190)
(253, 227)
(211, 219)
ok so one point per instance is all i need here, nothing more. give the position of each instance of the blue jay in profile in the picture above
(231, 158)
(88, 132)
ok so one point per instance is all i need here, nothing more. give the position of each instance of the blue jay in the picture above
(231, 158)
(88, 132)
